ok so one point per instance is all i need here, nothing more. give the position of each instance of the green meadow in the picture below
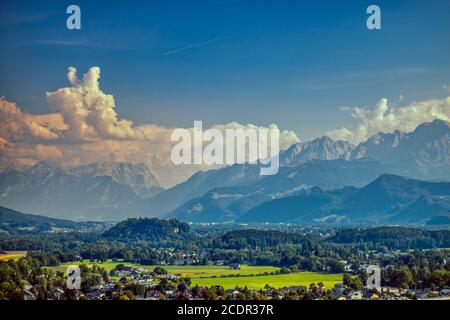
(107, 265)
(254, 277)
(195, 272)
(14, 255)
(276, 281)
(185, 271)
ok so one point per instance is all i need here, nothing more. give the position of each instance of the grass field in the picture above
(187, 271)
(14, 255)
(250, 276)
(210, 271)
(108, 265)
(276, 281)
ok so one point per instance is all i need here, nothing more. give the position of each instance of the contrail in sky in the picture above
(191, 46)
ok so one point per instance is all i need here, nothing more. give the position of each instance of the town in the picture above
(137, 283)
(155, 259)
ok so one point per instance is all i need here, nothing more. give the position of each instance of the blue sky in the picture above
(294, 63)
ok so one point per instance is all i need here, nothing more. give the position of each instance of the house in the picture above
(123, 271)
(293, 289)
(58, 292)
(445, 292)
(274, 293)
(169, 293)
(347, 266)
(95, 295)
(235, 266)
(122, 274)
(391, 291)
(152, 294)
(339, 290)
(340, 287)
(28, 295)
(355, 295)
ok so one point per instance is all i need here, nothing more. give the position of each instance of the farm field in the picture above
(186, 271)
(276, 281)
(216, 271)
(250, 276)
(108, 265)
(15, 255)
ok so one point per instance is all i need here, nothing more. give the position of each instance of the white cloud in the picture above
(3, 142)
(84, 127)
(88, 112)
(18, 125)
(384, 117)
(287, 137)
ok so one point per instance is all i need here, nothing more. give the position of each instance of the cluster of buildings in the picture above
(342, 292)
(149, 283)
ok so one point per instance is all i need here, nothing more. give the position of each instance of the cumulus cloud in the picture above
(89, 112)
(287, 137)
(16, 125)
(2, 142)
(385, 117)
(84, 127)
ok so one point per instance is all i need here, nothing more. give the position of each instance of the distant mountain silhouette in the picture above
(388, 199)
(89, 192)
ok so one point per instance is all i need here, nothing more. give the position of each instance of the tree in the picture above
(128, 294)
(347, 279)
(210, 294)
(356, 284)
(401, 277)
(182, 287)
(160, 271)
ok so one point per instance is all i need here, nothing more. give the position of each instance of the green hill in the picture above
(148, 229)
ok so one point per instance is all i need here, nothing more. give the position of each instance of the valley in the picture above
(154, 259)
(310, 232)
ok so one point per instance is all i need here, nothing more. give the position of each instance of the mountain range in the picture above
(319, 169)
(423, 153)
(99, 191)
(389, 199)
(328, 164)
(228, 203)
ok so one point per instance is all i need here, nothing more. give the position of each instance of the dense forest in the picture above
(148, 229)
(251, 238)
(400, 238)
